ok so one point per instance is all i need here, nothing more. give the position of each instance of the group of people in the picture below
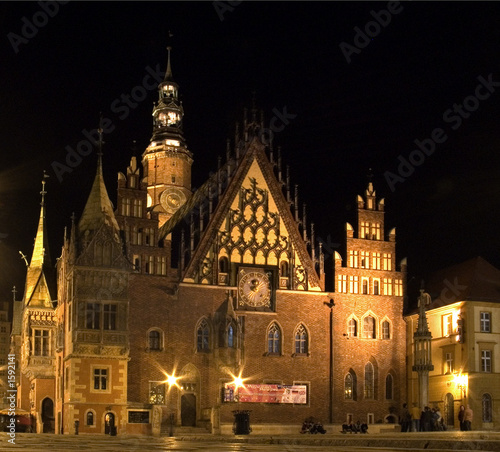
(429, 420)
(310, 425)
(357, 427)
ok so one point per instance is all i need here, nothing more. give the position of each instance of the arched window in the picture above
(230, 336)
(365, 286)
(386, 330)
(154, 340)
(350, 385)
(223, 264)
(202, 336)
(274, 340)
(376, 289)
(487, 408)
(301, 340)
(389, 385)
(369, 327)
(352, 328)
(369, 381)
(90, 418)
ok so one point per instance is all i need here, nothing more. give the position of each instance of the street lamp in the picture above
(461, 382)
(171, 381)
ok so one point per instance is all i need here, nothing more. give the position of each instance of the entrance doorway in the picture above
(48, 415)
(188, 410)
(109, 423)
(449, 415)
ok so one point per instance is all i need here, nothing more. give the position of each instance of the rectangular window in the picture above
(101, 379)
(353, 284)
(137, 208)
(387, 261)
(448, 363)
(42, 343)
(447, 325)
(387, 286)
(161, 265)
(376, 261)
(398, 287)
(353, 259)
(109, 316)
(93, 316)
(342, 283)
(376, 231)
(485, 322)
(126, 207)
(156, 393)
(485, 360)
(365, 259)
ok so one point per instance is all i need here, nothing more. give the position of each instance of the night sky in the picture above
(402, 86)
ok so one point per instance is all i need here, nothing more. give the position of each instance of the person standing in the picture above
(461, 416)
(415, 417)
(468, 419)
(405, 419)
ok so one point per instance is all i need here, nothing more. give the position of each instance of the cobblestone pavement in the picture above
(411, 442)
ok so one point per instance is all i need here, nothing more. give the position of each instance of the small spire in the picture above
(168, 73)
(43, 192)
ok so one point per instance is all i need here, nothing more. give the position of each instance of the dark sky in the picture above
(350, 117)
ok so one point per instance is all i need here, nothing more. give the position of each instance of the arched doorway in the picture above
(188, 410)
(109, 423)
(449, 413)
(48, 415)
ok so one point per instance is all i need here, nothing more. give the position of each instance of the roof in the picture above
(472, 280)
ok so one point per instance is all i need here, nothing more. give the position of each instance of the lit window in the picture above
(100, 379)
(448, 367)
(365, 259)
(485, 360)
(126, 207)
(447, 325)
(301, 340)
(386, 330)
(156, 393)
(354, 284)
(387, 286)
(376, 261)
(369, 327)
(353, 259)
(352, 328)
(350, 386)
(387, 261)
(161, 265)
(274, 340)
(342, 283)
(398, 287)
(485, 322)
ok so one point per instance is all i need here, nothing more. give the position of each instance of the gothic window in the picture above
(369, 327)
(230, 336)
(352, 328)
(386, 330)
(101, 379)
(203, 336)
(90, 418)
(156, 393)
(154, 340)
(42, 343)
(274, 340)
(350, 386)
(369, 381)
(301, 341)
(93, 316)
(485, 360)
(389, 387)
(109, 317)
(376, 287)
(487, 408)
(485, 322)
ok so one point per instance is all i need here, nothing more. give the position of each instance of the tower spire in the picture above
(168, 73)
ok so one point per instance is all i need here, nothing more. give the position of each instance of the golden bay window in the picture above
(41, 342)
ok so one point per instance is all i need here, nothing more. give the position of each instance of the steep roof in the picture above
(472, 280)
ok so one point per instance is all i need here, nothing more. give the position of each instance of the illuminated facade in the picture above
(463, 319)
(165, 300)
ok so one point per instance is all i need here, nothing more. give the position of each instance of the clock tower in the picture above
(167, 160)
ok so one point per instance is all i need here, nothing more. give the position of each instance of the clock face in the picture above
(254, 288)
(172, 198)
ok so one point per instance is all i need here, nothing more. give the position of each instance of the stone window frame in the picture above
(95, 367)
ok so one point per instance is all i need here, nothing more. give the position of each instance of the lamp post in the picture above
(331, 304)
(171, 381)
